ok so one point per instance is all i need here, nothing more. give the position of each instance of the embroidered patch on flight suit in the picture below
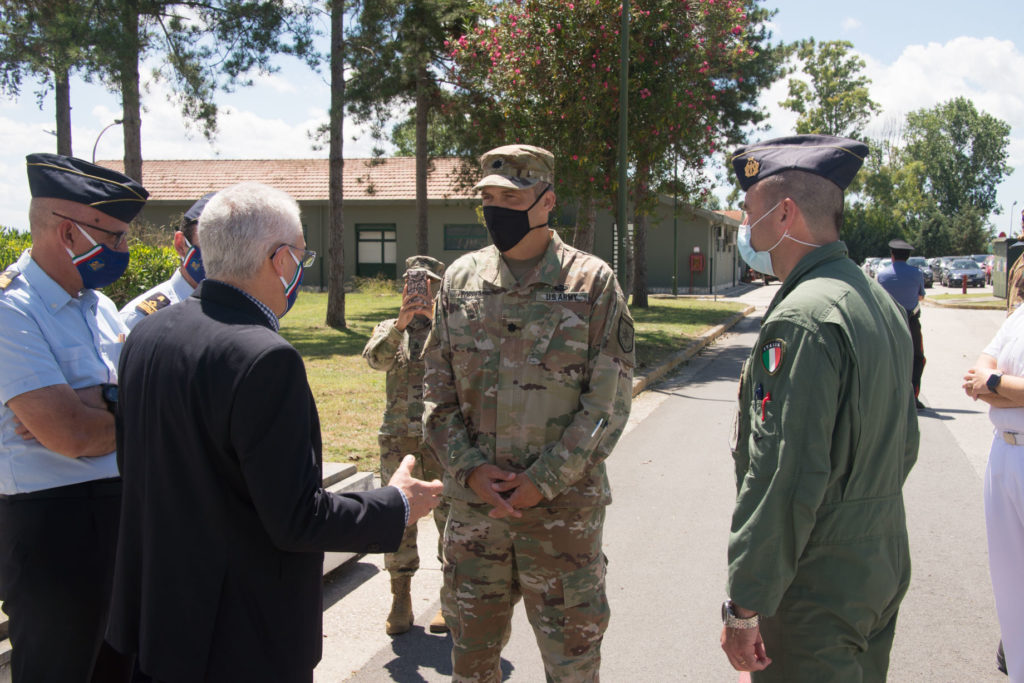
(772, 354)
(7, 277)
(152, 304)
(556, 297)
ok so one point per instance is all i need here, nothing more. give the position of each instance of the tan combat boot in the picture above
(437, 624)
(400, 618)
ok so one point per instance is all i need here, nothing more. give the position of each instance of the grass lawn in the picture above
(350, 396)
(974, 300)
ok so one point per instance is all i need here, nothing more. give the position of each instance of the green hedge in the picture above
(149, 266)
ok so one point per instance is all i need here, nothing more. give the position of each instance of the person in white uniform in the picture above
(997, 378)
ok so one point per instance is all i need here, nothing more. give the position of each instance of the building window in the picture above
(465, 237)
(376, 250)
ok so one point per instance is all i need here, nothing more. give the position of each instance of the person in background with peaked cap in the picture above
(185, 279)
(826, 433)
(905, 284)
(60, 492)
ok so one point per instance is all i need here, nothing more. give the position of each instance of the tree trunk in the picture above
(62, 93)
(422, 159)
(130, 100)
(585, 220)
(336, 243)
(640, 261)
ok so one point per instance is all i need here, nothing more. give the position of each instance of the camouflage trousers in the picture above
(392, 449)
(552, 558)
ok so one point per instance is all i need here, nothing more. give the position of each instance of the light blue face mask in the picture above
(761, 261)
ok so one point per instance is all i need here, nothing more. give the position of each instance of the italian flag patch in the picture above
(771, 355)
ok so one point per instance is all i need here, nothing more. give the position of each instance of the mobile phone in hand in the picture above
(417, 284)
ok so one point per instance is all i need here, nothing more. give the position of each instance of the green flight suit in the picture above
(826, 434)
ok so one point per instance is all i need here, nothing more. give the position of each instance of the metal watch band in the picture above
(730, 620)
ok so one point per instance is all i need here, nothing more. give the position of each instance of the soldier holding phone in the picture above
(395, 347)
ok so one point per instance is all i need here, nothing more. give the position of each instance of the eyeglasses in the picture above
(308, 257)
(120, 236)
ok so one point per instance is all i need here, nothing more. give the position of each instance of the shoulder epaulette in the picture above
(7, 277)
(153, 303)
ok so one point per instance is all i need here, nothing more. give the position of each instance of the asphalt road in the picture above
(666, 535)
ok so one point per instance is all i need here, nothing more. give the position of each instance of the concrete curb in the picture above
(692, 349)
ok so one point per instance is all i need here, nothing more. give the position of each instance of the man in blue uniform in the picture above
(59, 488)
(185, 279)
(905, 284)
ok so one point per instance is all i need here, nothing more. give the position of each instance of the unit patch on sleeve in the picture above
(772, 355)
(625, 333)
(152, 304)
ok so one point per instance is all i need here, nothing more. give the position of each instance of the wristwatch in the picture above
(730, 620)
(109, 393)
(993, 381)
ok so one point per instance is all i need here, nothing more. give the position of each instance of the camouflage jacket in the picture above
(399, 354)
(533, 376)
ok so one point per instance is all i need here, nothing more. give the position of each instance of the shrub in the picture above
(12, 243)
(378, 285)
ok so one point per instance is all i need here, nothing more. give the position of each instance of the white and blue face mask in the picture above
(761, 261)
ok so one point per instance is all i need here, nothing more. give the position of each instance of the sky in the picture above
(916, 54)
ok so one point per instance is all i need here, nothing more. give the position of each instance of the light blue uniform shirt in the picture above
(49, 338)
(904, 282)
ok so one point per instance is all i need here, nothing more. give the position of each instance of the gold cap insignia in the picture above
(751, 169)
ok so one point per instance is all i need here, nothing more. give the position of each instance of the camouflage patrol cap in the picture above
(434, 268)
(517, 167)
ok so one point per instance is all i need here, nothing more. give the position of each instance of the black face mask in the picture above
(508, 227)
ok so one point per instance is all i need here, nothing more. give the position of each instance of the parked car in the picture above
(961, 267)
(943, 264)
(921, 263)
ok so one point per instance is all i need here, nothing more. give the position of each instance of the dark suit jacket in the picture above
(224, 521)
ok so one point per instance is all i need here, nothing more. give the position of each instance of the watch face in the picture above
(110, 393)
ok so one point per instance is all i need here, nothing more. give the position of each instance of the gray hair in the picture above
(242, 225)
(820, 199)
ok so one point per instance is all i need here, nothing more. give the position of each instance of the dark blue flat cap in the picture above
(900, 245)
(196, 210)
(837, 159)
(60, 177)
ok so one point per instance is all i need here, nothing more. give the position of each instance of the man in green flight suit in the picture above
(826, 434)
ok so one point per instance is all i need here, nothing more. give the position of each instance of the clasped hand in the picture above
(506, 492)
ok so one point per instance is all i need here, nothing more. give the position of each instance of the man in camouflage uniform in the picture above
(185, 279)
(826, 434)
(528, 387)
(396, 347)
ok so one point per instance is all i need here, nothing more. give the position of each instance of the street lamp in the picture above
(118, 122)
(1012, 207)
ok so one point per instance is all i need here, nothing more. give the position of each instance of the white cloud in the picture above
(851, 24)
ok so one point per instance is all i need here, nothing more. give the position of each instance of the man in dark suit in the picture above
(224, 520)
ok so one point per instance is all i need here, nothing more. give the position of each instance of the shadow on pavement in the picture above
(346, 579)
(417, 650)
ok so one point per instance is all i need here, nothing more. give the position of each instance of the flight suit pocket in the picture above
(585, 610)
